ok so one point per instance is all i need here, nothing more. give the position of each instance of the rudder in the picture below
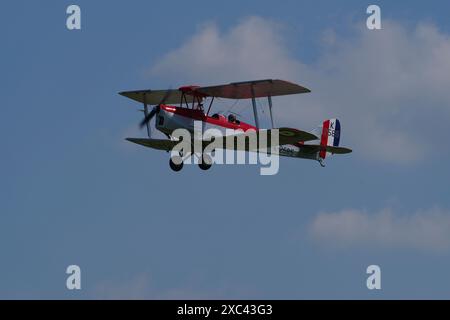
(331, 135)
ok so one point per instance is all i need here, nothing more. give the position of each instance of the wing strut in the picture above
(255, 111)
(149, 133)
(269, 98)
(210, 104)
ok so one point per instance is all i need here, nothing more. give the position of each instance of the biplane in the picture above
(180, 108)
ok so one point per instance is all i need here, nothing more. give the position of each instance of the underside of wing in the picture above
(159, 144)
(245, 141)
(256, 88)
(250, 140)
(154, 97)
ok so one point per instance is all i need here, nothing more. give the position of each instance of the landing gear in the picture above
(176, 163)
(205, 163)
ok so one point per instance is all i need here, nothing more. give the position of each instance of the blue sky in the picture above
(73, 191)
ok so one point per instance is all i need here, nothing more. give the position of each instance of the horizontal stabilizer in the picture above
(335, 150)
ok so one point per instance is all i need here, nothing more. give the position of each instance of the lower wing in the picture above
(286, 136)
(159, 144)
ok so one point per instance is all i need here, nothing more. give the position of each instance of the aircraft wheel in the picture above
(206, 162)
(176, 163)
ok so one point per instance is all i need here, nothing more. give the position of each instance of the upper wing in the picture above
(256, 88)
(235, 90)
(153, 97)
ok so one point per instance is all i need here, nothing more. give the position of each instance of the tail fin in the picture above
(330, 136)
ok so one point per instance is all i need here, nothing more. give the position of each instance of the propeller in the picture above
(156, 108)
(149, 116)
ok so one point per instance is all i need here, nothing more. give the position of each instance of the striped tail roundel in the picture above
(331, 134)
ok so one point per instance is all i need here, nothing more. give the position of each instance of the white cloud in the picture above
(424, 230)
(142, 286)
(138, 287)
(250, 50)
(389, 87)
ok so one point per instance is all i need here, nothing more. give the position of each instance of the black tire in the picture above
(206, 162)
(173, 162)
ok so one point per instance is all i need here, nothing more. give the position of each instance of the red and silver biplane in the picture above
(180, 108)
